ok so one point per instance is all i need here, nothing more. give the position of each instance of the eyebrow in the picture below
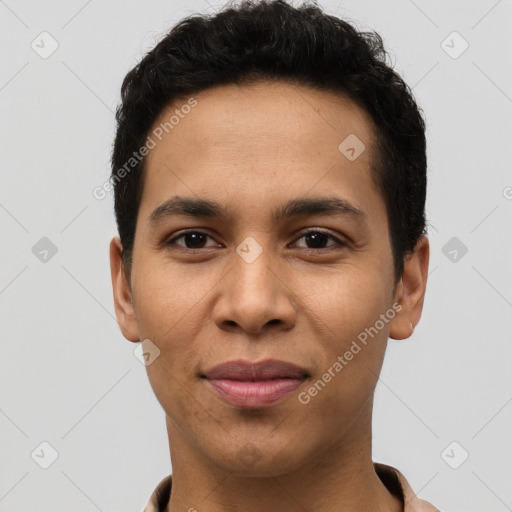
(197, 207)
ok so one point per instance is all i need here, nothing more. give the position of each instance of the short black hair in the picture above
(271, 40)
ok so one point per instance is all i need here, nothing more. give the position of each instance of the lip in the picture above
(249, 384)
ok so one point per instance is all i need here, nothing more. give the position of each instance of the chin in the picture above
(265, 459)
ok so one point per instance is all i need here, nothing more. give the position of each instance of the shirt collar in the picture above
(393, 479)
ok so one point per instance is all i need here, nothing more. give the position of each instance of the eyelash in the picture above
(340, 243)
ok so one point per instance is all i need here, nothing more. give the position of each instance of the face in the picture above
(260, 238)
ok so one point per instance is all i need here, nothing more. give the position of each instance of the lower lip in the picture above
(250, 394)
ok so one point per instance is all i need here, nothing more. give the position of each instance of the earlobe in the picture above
(410, 292)
(123, 300)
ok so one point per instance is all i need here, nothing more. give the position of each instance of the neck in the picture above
(341, 477)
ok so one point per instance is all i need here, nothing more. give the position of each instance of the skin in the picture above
(251, 148)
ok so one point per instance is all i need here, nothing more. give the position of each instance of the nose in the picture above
(255, 297)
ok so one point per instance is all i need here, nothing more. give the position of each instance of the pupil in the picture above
(196, 239)
(317, 239)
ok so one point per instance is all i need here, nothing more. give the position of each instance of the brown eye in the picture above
(191, 240)
(315, 239)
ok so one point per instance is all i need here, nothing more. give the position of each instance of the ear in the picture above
(125, 312)
(410, 291)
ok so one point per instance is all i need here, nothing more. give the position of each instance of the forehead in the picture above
(242, 117)
(262, 142)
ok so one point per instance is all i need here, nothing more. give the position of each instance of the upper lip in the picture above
(251, 371)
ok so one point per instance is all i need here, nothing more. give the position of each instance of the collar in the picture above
(393, 479)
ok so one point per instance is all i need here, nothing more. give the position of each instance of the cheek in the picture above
(168, 298)
(343, 303)
(169, 314)
(346, 379)
(346, 315)
(172, 378)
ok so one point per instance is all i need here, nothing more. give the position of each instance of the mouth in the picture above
(246, 384)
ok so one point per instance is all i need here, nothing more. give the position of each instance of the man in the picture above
(269, 172)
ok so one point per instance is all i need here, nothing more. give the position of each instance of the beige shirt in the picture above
(394, 481)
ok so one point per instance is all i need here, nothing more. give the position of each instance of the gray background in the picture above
(69, 378)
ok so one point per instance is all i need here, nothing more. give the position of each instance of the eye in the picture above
(317, 240)
(313, 239)
(191, 239)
